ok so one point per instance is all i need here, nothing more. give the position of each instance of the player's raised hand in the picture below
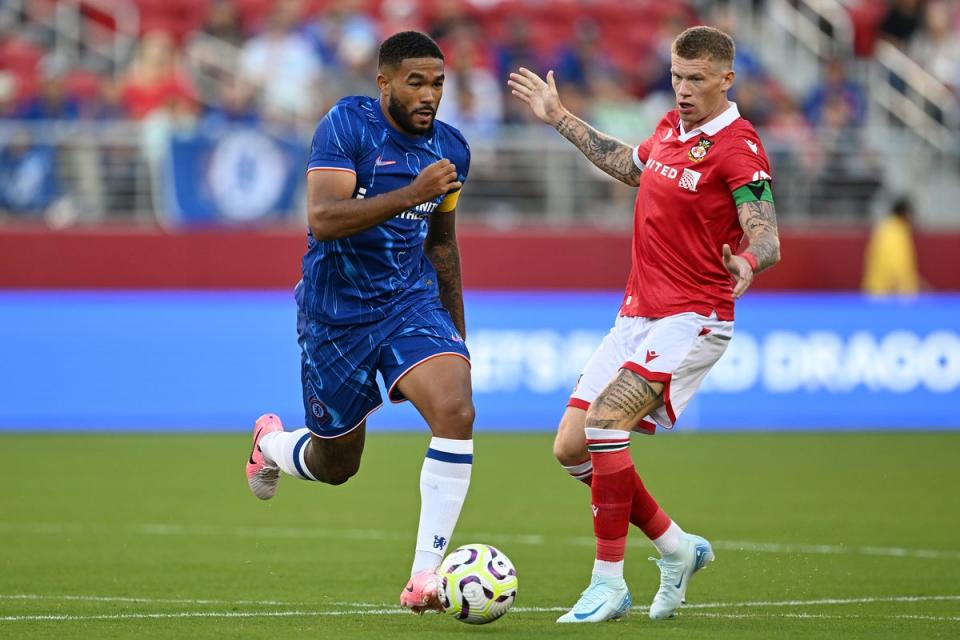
(435, 180)
(740, 269)
(541, 96)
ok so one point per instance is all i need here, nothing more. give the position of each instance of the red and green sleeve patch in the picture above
(756, 191)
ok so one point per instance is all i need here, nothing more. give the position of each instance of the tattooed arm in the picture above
(759, 222)
(444, 253)
(612, 156)
(758, 218)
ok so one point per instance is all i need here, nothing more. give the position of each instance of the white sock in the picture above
(444, 480)
(285, 449)
(608, 569)
(582, 472)
(669, 542)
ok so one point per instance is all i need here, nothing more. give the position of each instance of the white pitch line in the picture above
(201, 614)
(362, 608)
(398, 612)
(821, 601)
(520, 539)
(65, 598)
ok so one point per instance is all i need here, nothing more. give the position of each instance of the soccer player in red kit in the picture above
(703, 183)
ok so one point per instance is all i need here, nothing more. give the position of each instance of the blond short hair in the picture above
(705, 43)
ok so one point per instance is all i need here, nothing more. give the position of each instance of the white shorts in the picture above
(677, 351)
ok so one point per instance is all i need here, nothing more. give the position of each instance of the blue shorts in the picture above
(339, 364)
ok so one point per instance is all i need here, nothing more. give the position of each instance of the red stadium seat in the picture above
(20, 56)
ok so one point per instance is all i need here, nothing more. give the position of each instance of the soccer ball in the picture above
(477, 583)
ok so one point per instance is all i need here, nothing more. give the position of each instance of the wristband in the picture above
(751, 260)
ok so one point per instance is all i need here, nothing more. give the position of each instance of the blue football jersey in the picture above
(367, 276)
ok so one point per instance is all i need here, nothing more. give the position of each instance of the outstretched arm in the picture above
(444, 253)
(611, 155)
(758, 218)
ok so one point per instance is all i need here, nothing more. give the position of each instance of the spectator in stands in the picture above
(280, 68)
(448, 17)
(615, 111)
(901, 22)
(346, 37)
(214, 51)
(342, 20)
(223, 23)
(155, 79)
(105, 104)
(231, 106)
(52, 102)
(747, 64)
(513, 52)
(755, 100)
(849, 173)
(836, 87)
(890, 264)
(937, 47)
(473, 97)
(582, 57)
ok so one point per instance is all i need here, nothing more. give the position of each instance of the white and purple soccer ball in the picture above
(478, 583)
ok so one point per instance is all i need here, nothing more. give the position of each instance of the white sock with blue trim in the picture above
(444, 480)
(285, 449)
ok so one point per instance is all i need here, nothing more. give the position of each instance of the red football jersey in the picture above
(685, 213)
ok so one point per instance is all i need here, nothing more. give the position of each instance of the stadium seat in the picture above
(20, 56)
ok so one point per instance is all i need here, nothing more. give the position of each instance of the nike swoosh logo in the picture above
(384, 163)
(701, 555)
(581, 616)
(410, 589)
(255, 436)
(679, 584)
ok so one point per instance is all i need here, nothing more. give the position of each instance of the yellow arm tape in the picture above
(449, 203)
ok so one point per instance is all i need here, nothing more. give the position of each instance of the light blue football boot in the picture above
(605, 599)
(676, 569)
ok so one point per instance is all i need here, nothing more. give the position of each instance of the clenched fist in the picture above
(436, 179)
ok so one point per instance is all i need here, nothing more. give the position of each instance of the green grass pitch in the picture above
(155, 536)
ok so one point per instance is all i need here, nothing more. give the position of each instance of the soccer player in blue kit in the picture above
(381, 291)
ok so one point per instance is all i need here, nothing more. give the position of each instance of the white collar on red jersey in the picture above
(713, 127)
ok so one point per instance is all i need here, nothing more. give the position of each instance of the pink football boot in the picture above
(421, 593)
(262, 476)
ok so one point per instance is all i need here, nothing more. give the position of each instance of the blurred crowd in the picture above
(205, 63)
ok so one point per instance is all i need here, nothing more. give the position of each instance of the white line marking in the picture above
(394, 611)
(821, 601)
(364, 609)
(524, 539)
(202, 614)
(66, 598)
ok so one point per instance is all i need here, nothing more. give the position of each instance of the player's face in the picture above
(413, 90)
(701, 88)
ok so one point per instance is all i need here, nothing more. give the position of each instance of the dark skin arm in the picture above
(444, 253)
(333, 212)
(759, 222)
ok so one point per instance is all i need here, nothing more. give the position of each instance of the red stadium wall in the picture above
(135, 258)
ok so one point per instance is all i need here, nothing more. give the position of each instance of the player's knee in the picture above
(453, 420)
(568, 454)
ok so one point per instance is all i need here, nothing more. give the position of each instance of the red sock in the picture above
(612, 490)
(645, 513)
